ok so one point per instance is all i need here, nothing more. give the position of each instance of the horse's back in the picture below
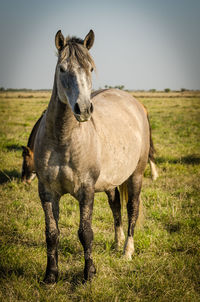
(118, 104)
(115, 109)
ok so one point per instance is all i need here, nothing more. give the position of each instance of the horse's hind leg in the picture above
(134, 188)
(50, 204)
(114, 202)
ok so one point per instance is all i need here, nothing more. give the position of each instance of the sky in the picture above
(141, 44)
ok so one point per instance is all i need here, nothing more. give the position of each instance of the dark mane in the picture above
(34, 132)
(76, 51)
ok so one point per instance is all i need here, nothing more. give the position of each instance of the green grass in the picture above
(165, 266)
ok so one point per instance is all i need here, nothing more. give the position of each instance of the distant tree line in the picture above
(168, 90)
(122, 87)
(117, 86)
(22, 89)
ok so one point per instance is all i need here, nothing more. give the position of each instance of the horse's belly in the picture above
(118, 164)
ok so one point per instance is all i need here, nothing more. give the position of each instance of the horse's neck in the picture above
(60, 120)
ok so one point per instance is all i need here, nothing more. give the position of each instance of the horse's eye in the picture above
(92, 69)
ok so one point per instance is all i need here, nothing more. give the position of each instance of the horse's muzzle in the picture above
(83, 113)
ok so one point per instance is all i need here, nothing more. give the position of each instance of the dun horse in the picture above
(86, 145)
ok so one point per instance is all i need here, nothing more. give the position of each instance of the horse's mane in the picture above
(75, 50)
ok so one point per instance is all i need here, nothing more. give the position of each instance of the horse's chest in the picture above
(57, 171)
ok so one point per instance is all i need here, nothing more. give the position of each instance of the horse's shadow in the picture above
(193, 159)
(5, 271)
(14, 147)
(75, 278)
(8, 175)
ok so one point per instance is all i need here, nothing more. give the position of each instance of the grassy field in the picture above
(166, 264)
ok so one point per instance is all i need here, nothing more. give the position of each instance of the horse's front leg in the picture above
(85, 232)
(50, 204)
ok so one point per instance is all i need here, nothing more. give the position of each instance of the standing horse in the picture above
(86, 145)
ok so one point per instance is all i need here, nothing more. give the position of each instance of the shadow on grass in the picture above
(6, 271)
(75, 278)
(11, 236)
(74, 275)
(193, 159)
(8, 175)
(66, 247)
(173, 227)
(14, 147)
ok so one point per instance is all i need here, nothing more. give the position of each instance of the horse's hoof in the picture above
(50, 279)
(127, 256)
(89, 271)
(129, 248)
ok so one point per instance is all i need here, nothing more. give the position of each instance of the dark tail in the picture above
(152, 150)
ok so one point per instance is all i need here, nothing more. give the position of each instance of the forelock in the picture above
(75, 51)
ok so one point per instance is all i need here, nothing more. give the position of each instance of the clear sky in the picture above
(141, 44)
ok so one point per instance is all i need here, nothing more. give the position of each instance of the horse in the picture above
(85, 145)
(28, 167)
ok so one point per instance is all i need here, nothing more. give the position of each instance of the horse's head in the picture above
(28, 165)
(73, 74)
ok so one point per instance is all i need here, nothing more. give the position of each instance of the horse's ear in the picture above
(89, 39)
(59, 40)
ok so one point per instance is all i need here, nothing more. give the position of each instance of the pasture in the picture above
(166, 264)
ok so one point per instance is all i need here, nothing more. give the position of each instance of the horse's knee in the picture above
(52, 237)
(85, 234)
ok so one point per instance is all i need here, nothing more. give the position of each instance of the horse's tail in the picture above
(152, 150)
(123, 193)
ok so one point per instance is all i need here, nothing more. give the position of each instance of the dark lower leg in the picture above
(86, 234)
(115, 205)
(50, 204)
(52, 239)
(86, 238)
(133, 212)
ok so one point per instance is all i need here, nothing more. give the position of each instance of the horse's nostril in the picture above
(62, 70)
(91, 108)
(77, 109)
